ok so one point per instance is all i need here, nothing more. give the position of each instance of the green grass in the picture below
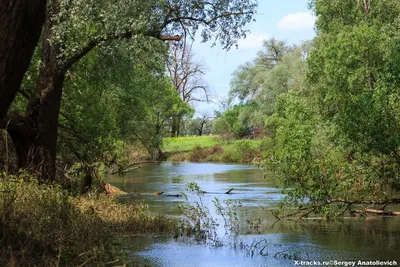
(213, 149)
(187, 143)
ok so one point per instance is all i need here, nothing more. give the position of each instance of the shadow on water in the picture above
(373, 238)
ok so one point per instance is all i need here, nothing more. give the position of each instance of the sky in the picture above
(288, 20)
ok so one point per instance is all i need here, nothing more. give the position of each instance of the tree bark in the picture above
(176, 122)
(21, 22)
(35, 135)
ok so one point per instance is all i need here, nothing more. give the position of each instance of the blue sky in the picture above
(288, 20)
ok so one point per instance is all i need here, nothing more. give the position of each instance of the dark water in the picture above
(276, 243)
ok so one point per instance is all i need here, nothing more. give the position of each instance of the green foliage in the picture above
(79, 23)
(104, 108)
(249, 79)
(130, 100)
(241, 151)
(229, 211)
(113, 57)
(276, 70)
(196, 126)
(198, 221)
(353, 70)
(233, 122)
(335, 139)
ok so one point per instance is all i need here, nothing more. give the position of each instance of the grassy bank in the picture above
(44, 225)
(213, 149)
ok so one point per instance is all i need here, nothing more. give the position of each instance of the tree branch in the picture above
(92, 44)
(208, 22)
(370, 202)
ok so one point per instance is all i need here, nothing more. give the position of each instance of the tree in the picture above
(204, 124)
(20, 27)
(232, 123)
(276, 70)
(73, 28)
(187, 78)
(199, 125)
(163, 104)
(249, 79)
(101, 106)
(351, 70)
(337, 138)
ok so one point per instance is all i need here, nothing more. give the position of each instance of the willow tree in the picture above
(73, 28)
(337, 138)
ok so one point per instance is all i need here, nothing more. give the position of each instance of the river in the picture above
(274, 244)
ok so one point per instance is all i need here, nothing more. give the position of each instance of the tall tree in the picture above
(276, 70)
(75, 27)
(250, 78)
(337, 139)
(187, 78)
(21, 23)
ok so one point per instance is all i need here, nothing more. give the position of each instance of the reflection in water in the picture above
(365, 239)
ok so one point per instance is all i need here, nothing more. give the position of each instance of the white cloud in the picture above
(296, 21)
(252, 41)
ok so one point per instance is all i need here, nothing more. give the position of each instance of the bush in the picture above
(240, 151)
(197, 154)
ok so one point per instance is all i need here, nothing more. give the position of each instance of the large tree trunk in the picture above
(35, 135)
(21, 23)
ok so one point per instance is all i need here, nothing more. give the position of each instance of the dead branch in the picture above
(367, 202)
(229, 191)
(379, 212)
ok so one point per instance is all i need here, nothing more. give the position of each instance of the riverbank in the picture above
(213, 149)
(45, 225)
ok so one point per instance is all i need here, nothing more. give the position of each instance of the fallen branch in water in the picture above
(379, 212)
(179, 195)
(303, 211)
(229, 191)
(370, 202)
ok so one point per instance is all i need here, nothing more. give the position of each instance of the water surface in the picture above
(374, 238)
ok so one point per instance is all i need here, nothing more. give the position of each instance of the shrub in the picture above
(240, 151)
(197, 154)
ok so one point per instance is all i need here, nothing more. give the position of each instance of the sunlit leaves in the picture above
(78, 23)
